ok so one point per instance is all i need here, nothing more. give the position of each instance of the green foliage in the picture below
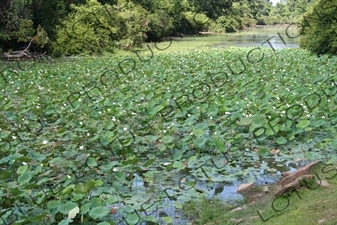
(287, 12)
(196, 21)
(227, 24)
(319, 28)
(93, 27)
(17, 21)
(26, 30)
(208, 210)
(41, 37)
(159, 25)
(119, 132)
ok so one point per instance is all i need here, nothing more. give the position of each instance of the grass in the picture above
(308, 207)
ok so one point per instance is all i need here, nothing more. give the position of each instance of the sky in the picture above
(275, 1)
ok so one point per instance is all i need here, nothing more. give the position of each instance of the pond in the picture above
(278, 36)
(159, 190)
(267, 171)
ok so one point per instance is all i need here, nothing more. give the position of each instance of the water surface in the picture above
(279, 37)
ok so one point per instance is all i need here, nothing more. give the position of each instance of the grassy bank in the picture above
(310, 207)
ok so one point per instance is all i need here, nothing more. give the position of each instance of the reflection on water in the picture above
(225, 191)
(278, 38)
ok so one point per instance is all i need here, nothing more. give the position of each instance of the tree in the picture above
(319, 28)
(94, 27)
(16, 22)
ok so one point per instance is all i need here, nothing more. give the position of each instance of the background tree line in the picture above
(93, 26)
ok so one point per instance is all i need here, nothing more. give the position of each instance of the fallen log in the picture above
(290, 177)
(297, 183)
(18, 55)
(293, 181)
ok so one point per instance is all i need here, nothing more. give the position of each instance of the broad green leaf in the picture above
(91, 184)
(246, 121)
(258, 131)
(107, 138)
(167, 139)
(202, 126)
(308, 128)
(96, 183)
(99, 212)
(75, 196)
(281, 140)
(167, 219)
(150, 219)
(303, 123)
(198, 132)
(65, 208)
(91, 162)
(22, 169)
(263, 152)
(192, 159)
(38, 156)
(25, 177)
(53, 204)
(120, 175)
(204, 158)
(112, 200)
(161, 147)
(151, 111)
(169, 167)
(104, 223)
(331, 161)
(110, 124)
(68, 189)
(80, 187)
(148, 162)
(318, 123)
(65, 222)
(200, 141)
(132, 219)
(177, 156)
(178, 165)
(37, 219)
(85, 208)
(292, 137)
(220, 146)
(259, 119)
(4, 133)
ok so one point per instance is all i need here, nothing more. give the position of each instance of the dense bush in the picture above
(247, 22)
(196, 21)
(94, 27)
(319, 28)
(227, 24)
(160, 25)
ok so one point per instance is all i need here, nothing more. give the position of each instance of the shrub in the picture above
(247, 22)
(57, 52)
(94, 27)
(196, 21)
(319, 28)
